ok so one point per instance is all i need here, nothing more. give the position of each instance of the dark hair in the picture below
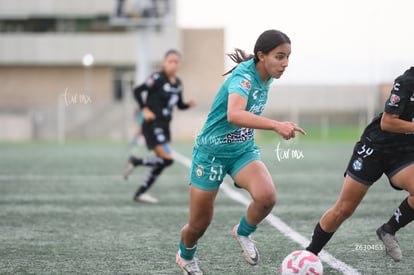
(171, 51)
(266, 42)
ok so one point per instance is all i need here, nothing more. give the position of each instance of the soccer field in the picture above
(66, 209)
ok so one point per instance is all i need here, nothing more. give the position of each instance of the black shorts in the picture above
(156, 133)
(367, 165)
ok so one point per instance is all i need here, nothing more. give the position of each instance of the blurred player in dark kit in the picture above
(164, 91)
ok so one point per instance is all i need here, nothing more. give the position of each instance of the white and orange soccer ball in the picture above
(301, 262)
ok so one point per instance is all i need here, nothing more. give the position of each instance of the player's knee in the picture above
(157, 170)
(199, 229)
(168, 162)
(192, 232)
(164, 163)
(270, 202)
(267, 201)
(343, 212)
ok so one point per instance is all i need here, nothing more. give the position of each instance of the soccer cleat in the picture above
(392, 247)
(250, 253)
(145, 198)
(189, 267)
(129, 168)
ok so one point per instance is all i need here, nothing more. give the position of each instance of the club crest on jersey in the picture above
(357, 164)
(245, 85)
(394, 99)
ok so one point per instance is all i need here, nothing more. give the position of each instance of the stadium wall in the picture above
(25, 87)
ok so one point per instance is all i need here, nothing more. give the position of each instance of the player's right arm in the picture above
(237, 115)
(393, 123)
(138, 95)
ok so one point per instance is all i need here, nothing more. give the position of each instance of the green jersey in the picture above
(220, 136)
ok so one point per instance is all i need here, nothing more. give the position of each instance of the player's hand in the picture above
(288, 129)
(192, 103)
(148, 114)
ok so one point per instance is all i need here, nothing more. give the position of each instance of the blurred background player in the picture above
(226, 146)
(386, 146)
(163, 92)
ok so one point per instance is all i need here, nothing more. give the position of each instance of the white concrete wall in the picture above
(108, 48)
(23, 8)
(15, 127)
(327, 98)
(69, 48)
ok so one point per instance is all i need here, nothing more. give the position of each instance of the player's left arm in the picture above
(393, 123)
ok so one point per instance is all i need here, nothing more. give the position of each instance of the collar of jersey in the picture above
(251, 66)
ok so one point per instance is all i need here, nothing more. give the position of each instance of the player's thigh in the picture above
(351, 195)
(156, 133)
(201, 207)
(255, 178)
(163, 151)
(404, 178)
(148, 133)
(365, 165)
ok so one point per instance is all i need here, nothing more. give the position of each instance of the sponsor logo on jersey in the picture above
(171, 89)
(257, 108)
(397, 87)
(245, 85)
(239, 135)
(255, 94)
(394, 99)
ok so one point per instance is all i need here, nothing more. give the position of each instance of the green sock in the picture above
(187, 253)
(245, 229)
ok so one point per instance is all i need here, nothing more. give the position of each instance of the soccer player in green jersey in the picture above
(225, 145)
(386, 147)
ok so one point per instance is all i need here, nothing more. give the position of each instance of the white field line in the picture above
(278, 224)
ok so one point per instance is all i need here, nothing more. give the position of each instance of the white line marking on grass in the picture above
(278, 224)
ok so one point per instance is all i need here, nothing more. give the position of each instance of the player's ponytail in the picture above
(266, 42)
(238, 56)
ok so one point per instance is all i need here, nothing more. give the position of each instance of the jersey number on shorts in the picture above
(365, 151)
(216, 172)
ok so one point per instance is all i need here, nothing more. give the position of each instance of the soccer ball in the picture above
(301, 262)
